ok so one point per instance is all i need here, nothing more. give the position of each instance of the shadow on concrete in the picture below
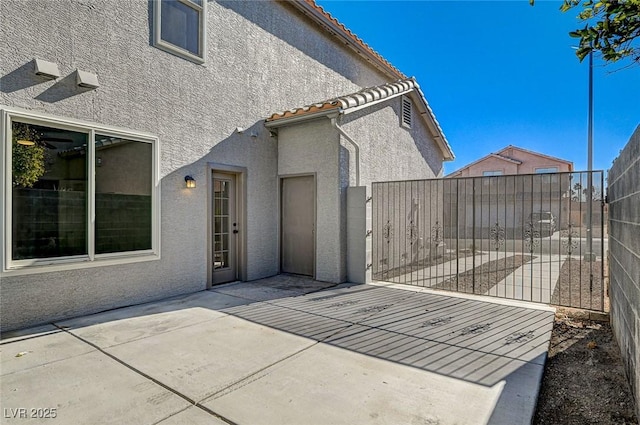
(467, 339)
(488, 344)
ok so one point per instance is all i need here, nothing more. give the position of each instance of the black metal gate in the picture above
(534, 237)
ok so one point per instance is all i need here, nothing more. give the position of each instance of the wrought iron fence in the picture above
(526, 237)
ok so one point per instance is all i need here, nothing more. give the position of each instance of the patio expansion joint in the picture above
(150, 378)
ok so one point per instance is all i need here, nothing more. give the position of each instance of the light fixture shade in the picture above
(86, 79)
(25, 142)
(190, 181)
(46, 69)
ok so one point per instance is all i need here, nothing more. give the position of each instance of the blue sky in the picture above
(501, 72)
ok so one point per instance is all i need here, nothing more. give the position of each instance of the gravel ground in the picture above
(412, 267)
(584, 381)
(573, 288)
(486, 276)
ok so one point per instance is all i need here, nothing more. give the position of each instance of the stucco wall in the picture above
(261, 57)
(529, 164)
(389, 152)
(491, 164)
(624, 257)
(313, 147)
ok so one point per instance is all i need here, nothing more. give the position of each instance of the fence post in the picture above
(358, 235)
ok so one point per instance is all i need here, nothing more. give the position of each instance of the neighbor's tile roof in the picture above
(342, 103)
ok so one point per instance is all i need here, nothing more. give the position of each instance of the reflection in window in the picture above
(123, 194)
(548, 170)
(60, 175)
(220, 224)
(180, 27)
(49, 202)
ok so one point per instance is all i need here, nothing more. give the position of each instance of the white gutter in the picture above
(334, 124)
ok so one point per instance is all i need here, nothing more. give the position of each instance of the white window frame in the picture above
(91, 259)
(492, 173)
(172, 48)
(546, 170)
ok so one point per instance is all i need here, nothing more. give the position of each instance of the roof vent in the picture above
(406, 112)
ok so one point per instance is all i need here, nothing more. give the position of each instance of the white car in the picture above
(544, 222)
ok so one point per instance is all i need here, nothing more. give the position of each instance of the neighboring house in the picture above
(146, 153)
(513, 203)
(513, 160)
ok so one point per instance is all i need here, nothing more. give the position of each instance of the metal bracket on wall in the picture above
(369, 233)
(369, 198)
(369, 266)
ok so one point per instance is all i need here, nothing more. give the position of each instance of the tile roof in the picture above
(368, 97)
(540, 154)
(505, 158)
(342, 103)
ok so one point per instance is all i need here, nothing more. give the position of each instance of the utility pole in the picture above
(589, 197)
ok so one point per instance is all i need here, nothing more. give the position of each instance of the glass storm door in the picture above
(225, 229)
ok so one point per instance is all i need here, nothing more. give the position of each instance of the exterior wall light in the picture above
(190, 181)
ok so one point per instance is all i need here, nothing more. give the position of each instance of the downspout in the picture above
(334, 123)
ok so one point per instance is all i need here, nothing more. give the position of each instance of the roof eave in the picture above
(295, 119)
(346, 38)
(432, 123)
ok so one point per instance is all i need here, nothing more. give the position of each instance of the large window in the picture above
(179, 27)
(77, 192)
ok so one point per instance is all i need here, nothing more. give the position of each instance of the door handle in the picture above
(235, 231)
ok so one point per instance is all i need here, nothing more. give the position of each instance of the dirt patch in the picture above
(584, 381)
(573, 287)
(486, 276)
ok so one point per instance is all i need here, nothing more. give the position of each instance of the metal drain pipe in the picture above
(334, 123)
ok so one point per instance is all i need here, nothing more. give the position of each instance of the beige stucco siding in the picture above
(389, 151)
(261, 57)
(313, 147)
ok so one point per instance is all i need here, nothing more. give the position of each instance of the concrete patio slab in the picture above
(290, 320)
(288, 351)
(349, 304)
(39, 350)
(192, 416)
(275, 287)
(142, 321)
(204, 358)
(352, 388)
(87, 389)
